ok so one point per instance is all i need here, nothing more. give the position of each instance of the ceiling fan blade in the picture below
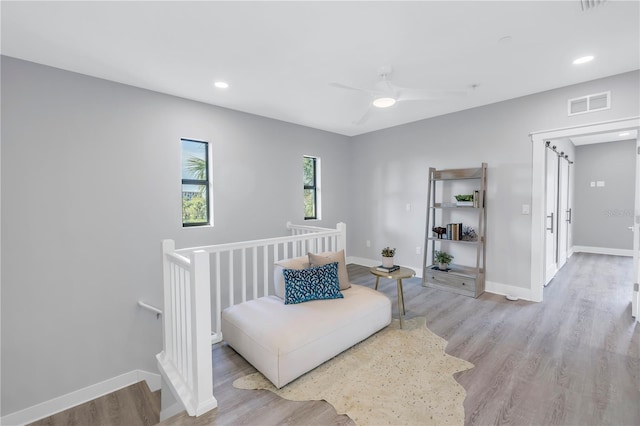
(364, 117)
(357, 89)
(426, 95)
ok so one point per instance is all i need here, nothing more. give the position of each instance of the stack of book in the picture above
(454, 231)
(387, 269)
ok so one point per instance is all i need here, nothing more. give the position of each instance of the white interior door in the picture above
(563, 212)
(551, 239)
(635, 298)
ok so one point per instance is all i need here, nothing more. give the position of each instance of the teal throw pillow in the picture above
(315, 283)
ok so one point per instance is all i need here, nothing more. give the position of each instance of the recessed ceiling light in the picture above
(384, 102)
(583, 60)
(221, 84)
(624, 134)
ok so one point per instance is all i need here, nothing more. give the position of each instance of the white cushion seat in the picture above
(285, 341)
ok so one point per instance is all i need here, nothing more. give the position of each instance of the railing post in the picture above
(201, 333)
(342, 239)
(168, 246)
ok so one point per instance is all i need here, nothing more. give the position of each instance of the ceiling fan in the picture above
(386, 94)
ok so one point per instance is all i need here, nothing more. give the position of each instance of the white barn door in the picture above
(551, 223)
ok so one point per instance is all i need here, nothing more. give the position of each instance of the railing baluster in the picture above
(255, 272)
(265, 270)
(244, 275)
(218, 313)
(189, 344)
(231, 287)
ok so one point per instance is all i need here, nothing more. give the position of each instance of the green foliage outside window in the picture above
(194, 210)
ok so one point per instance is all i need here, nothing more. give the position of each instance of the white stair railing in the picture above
(190, 276)
(185, 360)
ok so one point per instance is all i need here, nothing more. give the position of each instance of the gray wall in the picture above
(90, 186)
(389, 170)
(602, 214)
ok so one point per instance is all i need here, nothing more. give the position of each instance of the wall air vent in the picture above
(590, 103)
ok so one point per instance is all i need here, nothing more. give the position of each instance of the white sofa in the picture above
(285, 341)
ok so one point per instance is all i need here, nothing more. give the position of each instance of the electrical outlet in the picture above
(368, 243)
(418, 250)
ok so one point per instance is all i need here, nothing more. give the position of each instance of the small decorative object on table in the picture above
(387, 256)
(382, 268)
(464, 200)
(443, 259)
(439, 230)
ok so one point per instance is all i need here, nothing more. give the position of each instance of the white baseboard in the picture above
(490, 287)
(603, 250)
(510, 290)
(80, 396)
(362, 261)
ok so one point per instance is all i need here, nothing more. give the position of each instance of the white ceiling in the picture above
(279, 57)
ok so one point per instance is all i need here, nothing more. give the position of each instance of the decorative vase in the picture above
(387, 262)
(443, 266)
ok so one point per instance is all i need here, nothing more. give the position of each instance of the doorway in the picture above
(538, 211)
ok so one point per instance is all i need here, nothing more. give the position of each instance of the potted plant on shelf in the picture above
(464, 200)
(443, 259)
(387, 256)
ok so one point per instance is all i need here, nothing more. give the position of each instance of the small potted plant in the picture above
(464, 200)
(443, 259)
(387, 256)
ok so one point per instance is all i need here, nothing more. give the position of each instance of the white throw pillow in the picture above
(301, 262)
(330, 257)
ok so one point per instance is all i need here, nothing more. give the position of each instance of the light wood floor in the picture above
(134, 405)
(573, 359)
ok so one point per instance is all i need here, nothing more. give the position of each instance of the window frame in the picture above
(315, 187)
(202, 182)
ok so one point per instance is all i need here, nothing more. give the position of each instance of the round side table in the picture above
(397, 275)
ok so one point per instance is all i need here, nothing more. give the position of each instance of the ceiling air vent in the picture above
(590, 4)
(590, 103)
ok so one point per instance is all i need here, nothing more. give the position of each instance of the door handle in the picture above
(569, 215)
(550, 217)
(630, 228)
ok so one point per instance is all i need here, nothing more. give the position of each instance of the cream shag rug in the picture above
(394, 377)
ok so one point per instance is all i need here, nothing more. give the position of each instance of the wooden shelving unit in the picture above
(467, 279)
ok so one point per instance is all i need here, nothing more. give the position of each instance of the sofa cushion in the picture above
(333, 256)
(314, 283)
(301, 262)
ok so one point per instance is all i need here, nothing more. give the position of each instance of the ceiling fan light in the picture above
(383, 102)
(583, 60)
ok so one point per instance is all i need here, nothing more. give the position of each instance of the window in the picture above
(311, 182)
(196, 204)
